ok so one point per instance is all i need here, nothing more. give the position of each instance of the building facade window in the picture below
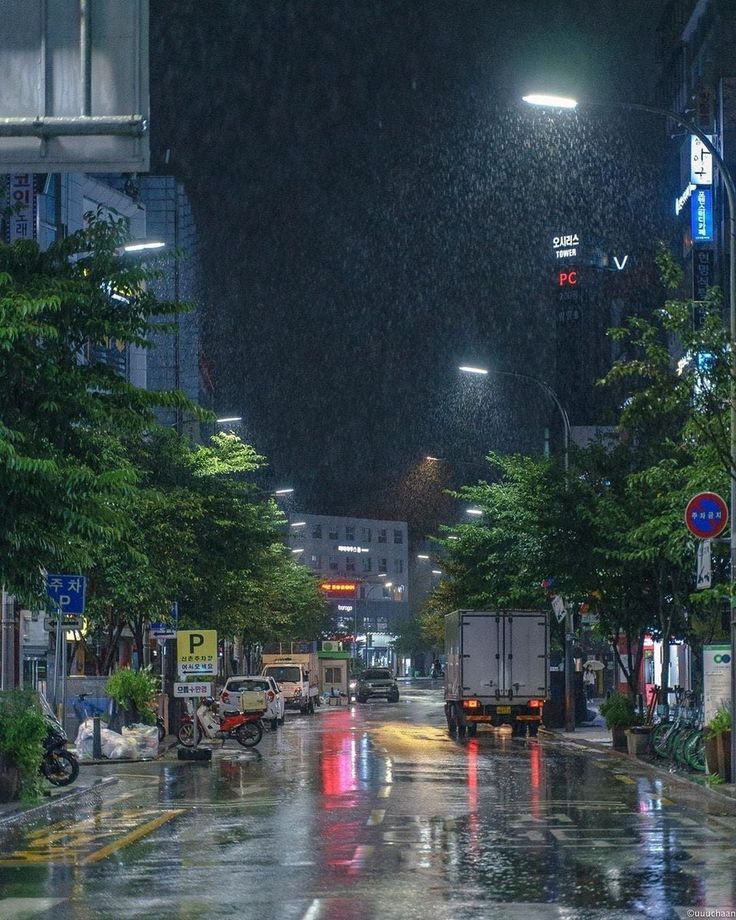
(398, 536)
(333, 532)
(316, 560)
(369, 623)
(366, 534)
(333, 675)
(382, 624)
(334, 564)
(317, 531)
(350, 533)
(382, 535)
(383, 566)
(349, 564)
(398, 566)
(387, 592)
(367, 564)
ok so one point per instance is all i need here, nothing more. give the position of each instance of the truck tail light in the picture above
(270, 695)
(471, 705)
(536, 704)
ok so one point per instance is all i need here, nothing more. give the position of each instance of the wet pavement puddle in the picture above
(88, 840)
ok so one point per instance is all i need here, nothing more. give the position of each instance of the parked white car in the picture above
(229, 698)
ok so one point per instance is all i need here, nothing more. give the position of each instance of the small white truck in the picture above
(497, 669)
(297, 675)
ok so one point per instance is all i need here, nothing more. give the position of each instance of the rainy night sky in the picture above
(375, 206)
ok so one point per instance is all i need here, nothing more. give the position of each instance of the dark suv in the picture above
(377, 682)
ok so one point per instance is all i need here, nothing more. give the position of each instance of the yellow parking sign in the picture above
(196, 651)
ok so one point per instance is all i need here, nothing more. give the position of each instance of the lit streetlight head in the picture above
(475, 511)
(283, 491)
(143, 245)
(469, 369)
(436, 571)
(549, 101)
(433, 459)
(422, 556)
(299, 524)
(232, 418)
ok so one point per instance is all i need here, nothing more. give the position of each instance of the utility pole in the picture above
(7, 677)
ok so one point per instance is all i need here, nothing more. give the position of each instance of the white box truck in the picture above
(297, 675)
(496, 670)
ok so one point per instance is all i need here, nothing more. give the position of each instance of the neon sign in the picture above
(701, 215)
(352, 549)
(568, 278)
(566, 247)
(339, 588)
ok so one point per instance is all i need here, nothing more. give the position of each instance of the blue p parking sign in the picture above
(67, 592)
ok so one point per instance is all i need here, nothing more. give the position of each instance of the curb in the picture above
(682, 780)
(163, 749)
(22, 814)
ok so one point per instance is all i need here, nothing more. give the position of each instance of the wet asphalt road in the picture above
(374, 812)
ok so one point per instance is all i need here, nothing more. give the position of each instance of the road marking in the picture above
(314, 910)
(11, 908)
(624, 779)
(131, 837)
(377, 816)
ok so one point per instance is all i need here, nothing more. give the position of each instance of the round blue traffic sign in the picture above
(706, 515)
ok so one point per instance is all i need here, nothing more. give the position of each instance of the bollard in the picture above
(96, 739)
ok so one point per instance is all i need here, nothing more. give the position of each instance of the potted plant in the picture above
(134, 693)
(718, 744)
(22, 731)
(620, 715)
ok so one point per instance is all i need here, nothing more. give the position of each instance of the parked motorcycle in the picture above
(245, 727)
(59, 766)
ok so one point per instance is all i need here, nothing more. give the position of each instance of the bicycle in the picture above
(680, 737)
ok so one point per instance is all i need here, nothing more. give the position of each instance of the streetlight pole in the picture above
(569, 684)
(728, 184)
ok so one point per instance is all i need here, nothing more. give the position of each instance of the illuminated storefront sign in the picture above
(684, 198)
(339, 588)
(701, 215)
(566, 247)
(345, 608)
(567, 278)
(352, 549)
(701, 162)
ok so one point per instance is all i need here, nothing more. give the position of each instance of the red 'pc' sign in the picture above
(706, 515)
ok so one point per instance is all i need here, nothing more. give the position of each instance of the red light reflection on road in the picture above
(338, 839)
(473, 823)
(535, 780)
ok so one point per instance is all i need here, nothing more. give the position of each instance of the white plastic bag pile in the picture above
(137, 742)
(145, 739)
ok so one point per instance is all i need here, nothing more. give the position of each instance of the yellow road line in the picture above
(134, 835)
(624, 779)
(376, 817)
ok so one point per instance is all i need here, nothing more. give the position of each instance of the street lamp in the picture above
(728, 183)
(468, 369)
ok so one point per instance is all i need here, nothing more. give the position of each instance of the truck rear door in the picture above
(526, 655)
(482, 662)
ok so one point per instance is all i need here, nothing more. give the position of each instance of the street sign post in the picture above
(199, 688)
(196, 656)
(704, 573)
(196, 651)
(67, 592)
(706, 515)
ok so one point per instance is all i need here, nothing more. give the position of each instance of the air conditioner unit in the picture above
(331, 646)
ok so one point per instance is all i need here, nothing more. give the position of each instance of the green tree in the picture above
(62, 414)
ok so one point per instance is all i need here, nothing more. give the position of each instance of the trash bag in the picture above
(145, 739)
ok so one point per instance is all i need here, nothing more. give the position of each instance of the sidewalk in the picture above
(598, 738)
(12, 812)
